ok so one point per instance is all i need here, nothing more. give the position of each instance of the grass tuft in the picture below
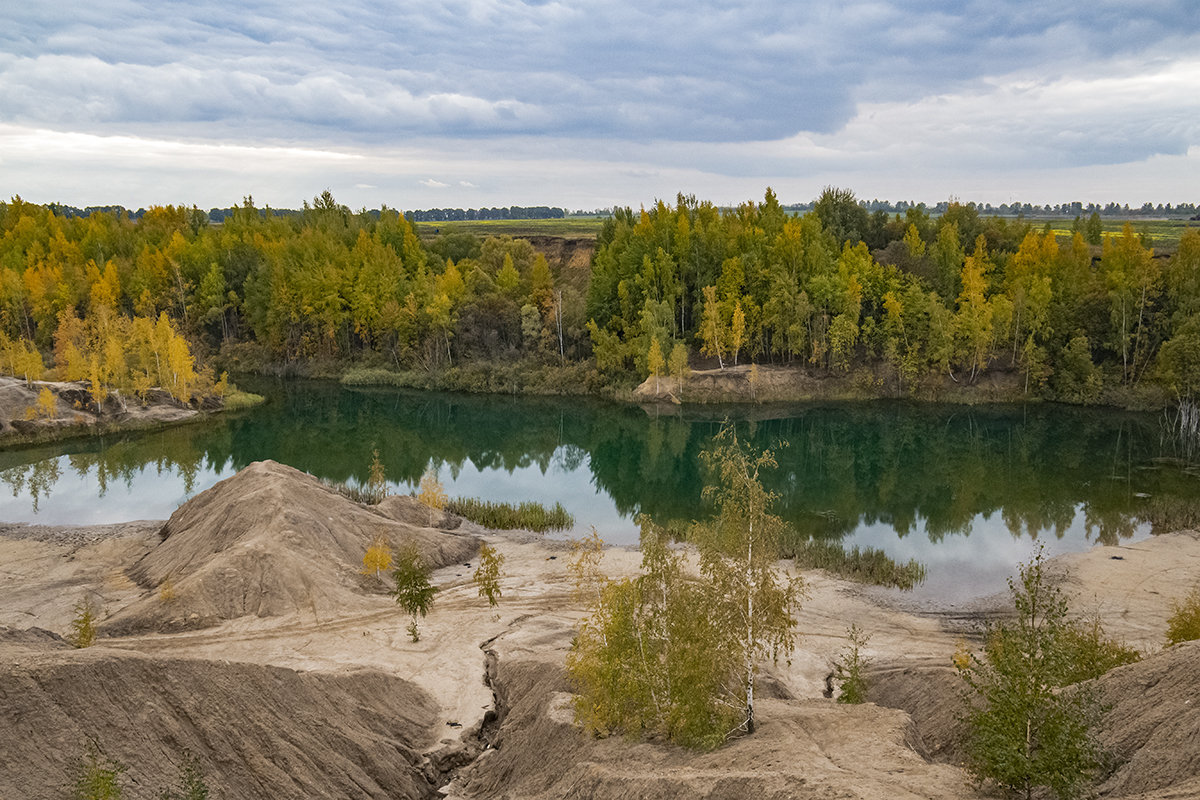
(867, 565)
(505, 516)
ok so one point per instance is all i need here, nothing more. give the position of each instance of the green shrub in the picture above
(1023, 731)
(97, 777)
(527, 378)
(237, 400)
(1090, 653)
(1184, 624)
(191, 783)
(413, 590)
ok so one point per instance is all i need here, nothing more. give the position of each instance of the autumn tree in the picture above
(678, 364)
(378, 557)
(431, 493)
(712, 333)
(973, 320)
(739, 548)
(737, 331)
(47, 403)
(83, 626)
(1131, 278)
(655, 362)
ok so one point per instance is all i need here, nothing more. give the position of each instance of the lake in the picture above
(965, 490)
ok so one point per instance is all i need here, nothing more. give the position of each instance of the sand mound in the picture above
(1151, 727)
(257, 732)
(931, 696)
(1153, 722)
(269, 541)
(407, 509)
(802, 749)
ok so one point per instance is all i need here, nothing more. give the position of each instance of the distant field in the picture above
(1164, 233)
(573, 227)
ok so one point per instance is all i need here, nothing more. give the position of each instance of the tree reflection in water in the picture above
(891, 471)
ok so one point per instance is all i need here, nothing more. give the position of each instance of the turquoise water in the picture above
(965, 490)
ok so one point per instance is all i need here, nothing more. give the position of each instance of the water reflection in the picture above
(961, 489)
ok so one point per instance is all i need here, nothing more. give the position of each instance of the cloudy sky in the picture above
(590, 103)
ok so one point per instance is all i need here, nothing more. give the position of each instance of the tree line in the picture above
(1015, 209)
(917, 297)
(508, 212)
(909, 299)
(324, 284)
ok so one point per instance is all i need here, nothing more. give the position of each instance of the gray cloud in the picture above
(516, 97)
(703, 71)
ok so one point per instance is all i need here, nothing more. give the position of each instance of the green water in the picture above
(965, 490)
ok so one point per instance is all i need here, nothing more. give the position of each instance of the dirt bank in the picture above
(259, 731)
(768, 383)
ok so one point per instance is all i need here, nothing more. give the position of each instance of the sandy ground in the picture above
(45, 572)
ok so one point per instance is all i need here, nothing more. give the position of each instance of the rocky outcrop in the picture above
(73, 410)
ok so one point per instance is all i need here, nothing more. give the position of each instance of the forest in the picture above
(841, 289)
(908, 298)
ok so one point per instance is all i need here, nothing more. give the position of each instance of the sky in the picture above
(587, 104)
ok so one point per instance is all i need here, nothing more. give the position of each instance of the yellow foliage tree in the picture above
(21, 359)
(679, 364)
(47, 403)
(431, 494)
(487, 576)
(737, 331)
(83, 626)
(378, 557)
(711, 327)
(655, 361)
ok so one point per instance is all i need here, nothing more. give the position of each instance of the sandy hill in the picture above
(1150, 725)
(269, 541)
(258, 731)
(808, 749)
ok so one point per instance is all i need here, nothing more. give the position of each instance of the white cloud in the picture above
(588, 103)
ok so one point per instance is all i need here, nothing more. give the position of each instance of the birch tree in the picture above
(739, 551)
